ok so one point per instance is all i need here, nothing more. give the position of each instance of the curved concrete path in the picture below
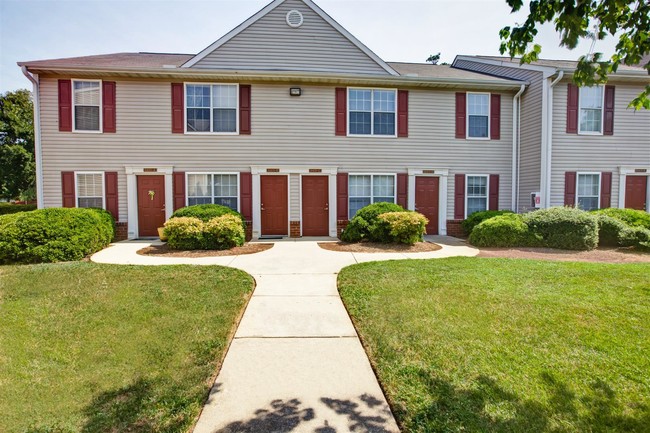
(296, 363)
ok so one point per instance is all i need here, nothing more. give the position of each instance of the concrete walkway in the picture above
(296, 363)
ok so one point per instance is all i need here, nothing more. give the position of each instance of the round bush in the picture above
(609, 231)
(631, 217)
(508, 230)
(54, 234)
(477, 218)
(404, 227)
(184, 233)
(223, 232)
(205, 212)
(564, 228)
(637, 237)
(366, 225)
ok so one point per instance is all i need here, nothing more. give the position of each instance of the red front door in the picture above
(636, 192)
(151, 204)
(426, 200)
(315, 206)
(274, 206)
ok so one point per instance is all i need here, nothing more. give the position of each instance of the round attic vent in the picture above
(294, 18)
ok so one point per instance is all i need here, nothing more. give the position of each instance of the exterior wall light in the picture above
(295, 91)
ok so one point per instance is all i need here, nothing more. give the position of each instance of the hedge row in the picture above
(219, 233)
(54, 234)
(206, 212)
(386, 223)
(9, 208)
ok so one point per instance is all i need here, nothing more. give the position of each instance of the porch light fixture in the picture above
(295, 91)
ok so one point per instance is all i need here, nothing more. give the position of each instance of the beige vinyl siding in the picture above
(629, 146)
(531, 124)
(286, 131)
(271, 44)
(294, 197)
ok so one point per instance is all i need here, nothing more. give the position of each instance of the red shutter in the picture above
(608, 128)
(341, 112)
(108, 106)
(402, 189)
(246, 195)
(178, 126)
(179, 189)
(495, 116)
(459, 197)
(494, 192)
(461, 113)
(402, 113)
(572, 109)
(342, 196)
(570, 188)
(605, 190)
(110, 183)
(68, 189)
(245, 109)
(65, 105)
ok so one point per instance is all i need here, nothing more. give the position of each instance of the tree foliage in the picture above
(433, 59)
(17, 168)
(627, 20)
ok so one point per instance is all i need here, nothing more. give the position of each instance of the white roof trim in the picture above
(268, 8)
(549, 70)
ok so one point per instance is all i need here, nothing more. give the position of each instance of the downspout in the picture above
(37, 136)
(515, 146)
(549, 147)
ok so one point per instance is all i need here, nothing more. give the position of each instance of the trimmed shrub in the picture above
(54, 234)
(637, 237)
(9, 208)
(477, 218)
(223, 232)
(564, 228)
(184, 233)
(609, 231)
(631, 217)
(507, 230)
(366, 224)
(205, 212)
(405, 227)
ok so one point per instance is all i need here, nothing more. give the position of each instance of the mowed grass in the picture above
(102, 348)
(502, 345)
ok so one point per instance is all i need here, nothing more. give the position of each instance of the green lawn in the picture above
(500, 345)
(100, 348)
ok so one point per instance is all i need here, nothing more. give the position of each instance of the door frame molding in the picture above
(132, 192)
(331, 222)
(287, 170)
(441, 173)
(623, 172)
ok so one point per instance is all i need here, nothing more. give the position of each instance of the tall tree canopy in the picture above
(17, 168)
(627, 20)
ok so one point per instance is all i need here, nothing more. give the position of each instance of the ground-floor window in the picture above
(90, 189)
(588, 191)
(364, 189)
(212, 188)
(477, 193)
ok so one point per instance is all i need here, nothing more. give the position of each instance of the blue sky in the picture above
(397, 30)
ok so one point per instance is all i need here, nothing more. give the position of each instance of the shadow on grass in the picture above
(489, 407)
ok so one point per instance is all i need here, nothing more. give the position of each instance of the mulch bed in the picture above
(164, 251)
(602, 255)
(375, 247)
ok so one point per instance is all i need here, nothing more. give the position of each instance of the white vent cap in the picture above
(294, 18)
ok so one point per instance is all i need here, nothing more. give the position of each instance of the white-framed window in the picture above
(213, 188)
(372, 112)
(364, 189)
(89, 188)
(86, 105)
(211, 108)
(476, 193)
(588, 191)
(591, 101)
(478, 115)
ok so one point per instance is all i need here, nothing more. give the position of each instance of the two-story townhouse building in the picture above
(577, 146)
(288, 119)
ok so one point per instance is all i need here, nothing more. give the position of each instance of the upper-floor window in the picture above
(477, 194)
(478, 115)
(372, 112)
(591, 110)
(212, 188)
(86, 103)
(90, 189)
(364, 189)
(588, 191)
(211, 107)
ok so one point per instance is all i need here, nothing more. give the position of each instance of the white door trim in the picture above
(622, 183)
(132, 192)
(443, 174)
